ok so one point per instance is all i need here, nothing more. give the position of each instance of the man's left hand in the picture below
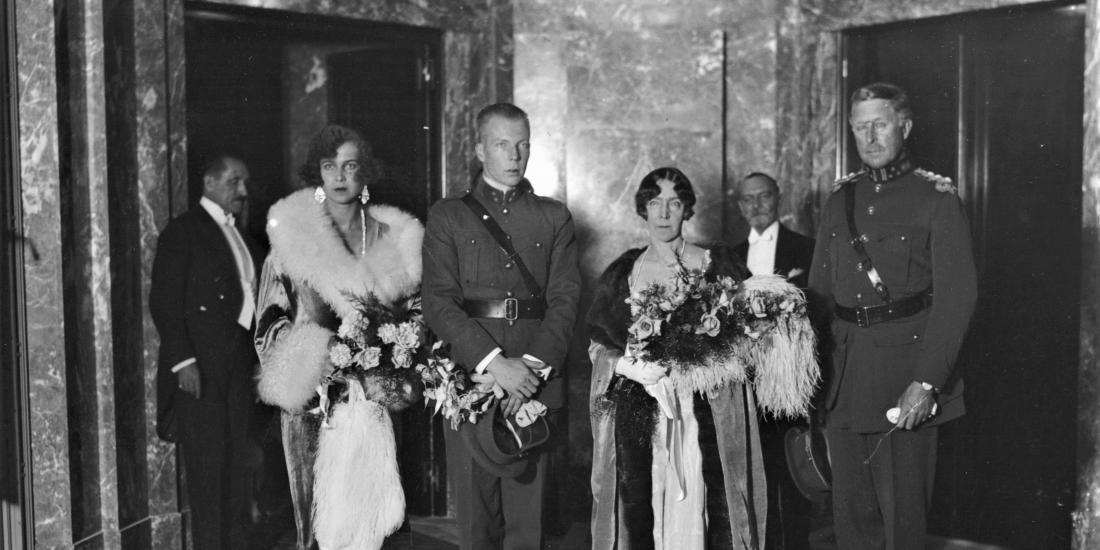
(512, 404)
(916, 406)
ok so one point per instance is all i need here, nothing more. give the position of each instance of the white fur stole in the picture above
(289, 376)
(308, 248)
(358, 499)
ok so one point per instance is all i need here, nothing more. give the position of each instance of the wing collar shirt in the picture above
(762, 250)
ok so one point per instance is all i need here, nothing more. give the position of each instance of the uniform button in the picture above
(473, 241)
(834, 235)
(508, 265)
(505, 211)
(538, 245)
(916, 337)
(870, 210)
(508, 294)
(865, 238)
(903, 237)
(878, 188)
(859, 296)
(221, 296)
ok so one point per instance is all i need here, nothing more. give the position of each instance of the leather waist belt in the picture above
(508, 308)
(867, 316)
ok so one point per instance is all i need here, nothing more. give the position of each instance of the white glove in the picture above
(642, 372)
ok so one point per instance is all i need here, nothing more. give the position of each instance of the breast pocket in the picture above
(480, 259)
(896, 254)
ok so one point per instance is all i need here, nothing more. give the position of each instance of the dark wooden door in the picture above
(998, 102)
(386, 93)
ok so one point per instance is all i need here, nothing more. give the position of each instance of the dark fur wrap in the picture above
(636, 415)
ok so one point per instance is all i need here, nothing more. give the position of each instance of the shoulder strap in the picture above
(505, 242)
(857, 241)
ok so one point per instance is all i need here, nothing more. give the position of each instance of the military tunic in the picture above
(916, 233)
(462, 262)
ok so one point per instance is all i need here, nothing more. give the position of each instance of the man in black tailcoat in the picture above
(478, 299)
(772, 248)
(202, 300)
(894, 262)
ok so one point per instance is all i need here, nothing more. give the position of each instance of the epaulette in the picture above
(840, 183)
(943, 183)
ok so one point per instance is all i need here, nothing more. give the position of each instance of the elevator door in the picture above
(997, 101)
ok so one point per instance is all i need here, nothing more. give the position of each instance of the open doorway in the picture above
(260, 84)
(998, 101)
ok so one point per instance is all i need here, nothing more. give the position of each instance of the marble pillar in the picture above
(86, 263)
(41, 233)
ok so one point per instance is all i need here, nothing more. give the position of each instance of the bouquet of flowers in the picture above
(712, 333)
(454, 394)
(376, 347)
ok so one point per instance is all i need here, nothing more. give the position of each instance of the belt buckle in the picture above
(863, 319)
(511, 309)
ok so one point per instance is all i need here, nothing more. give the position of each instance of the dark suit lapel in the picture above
(213, 242)
(784, 254)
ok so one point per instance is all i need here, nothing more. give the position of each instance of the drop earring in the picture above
(364, 196)
(319, 194)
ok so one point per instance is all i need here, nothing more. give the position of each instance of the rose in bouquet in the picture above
(376, 346)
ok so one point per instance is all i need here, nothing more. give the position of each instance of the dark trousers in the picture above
(494, 512)
(213, 436)
(881, 503)
(788, 525)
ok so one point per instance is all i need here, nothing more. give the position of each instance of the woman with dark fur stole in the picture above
(671, 469)
(332, 258)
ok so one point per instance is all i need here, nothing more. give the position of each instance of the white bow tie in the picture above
(755, 237)
(230, 219)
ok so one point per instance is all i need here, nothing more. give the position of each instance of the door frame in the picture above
(332, 28)
(16, 518)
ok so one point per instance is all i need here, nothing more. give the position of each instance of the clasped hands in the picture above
(517, 377)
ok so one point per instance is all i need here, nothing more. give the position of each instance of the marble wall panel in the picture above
(41, 234)
(1086, 517)
(542, 90)
(86, 228)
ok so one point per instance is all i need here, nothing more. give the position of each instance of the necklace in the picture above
(362, 232)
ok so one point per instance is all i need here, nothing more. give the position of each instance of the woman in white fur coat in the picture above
(327, 245)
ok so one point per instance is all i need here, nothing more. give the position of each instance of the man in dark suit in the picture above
(772, 248)
(895, 266)
(508, 316)
(202, 301)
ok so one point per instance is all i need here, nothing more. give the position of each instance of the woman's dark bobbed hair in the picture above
(650, 188)
(324, 146)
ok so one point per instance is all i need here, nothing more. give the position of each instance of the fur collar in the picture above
(307, 247)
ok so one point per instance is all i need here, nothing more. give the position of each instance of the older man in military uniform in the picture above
(507, 313)
(893, 257)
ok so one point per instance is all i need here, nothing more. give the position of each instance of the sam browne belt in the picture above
(870, 315)
(508, 308)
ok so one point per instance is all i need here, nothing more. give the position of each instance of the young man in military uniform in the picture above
(893, 259)
(508, 316)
